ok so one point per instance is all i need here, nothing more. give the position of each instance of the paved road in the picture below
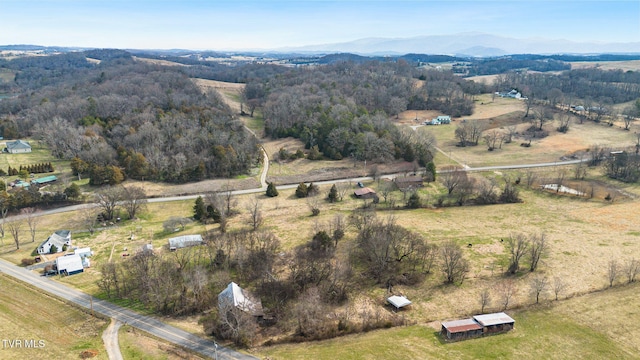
(145, 323)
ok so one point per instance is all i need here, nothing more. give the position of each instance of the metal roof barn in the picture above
(69, 264)
(494, 319)
(398, 301)
(184, 241)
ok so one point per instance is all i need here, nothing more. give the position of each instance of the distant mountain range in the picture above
(468, 44)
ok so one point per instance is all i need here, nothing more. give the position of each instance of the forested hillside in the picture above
(119, 118)
(344, 108)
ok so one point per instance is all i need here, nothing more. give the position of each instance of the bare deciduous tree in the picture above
(517, 246)
(4, 210)
(31, 216)
(484, 298)
(564, 121)
(507, 288)
(255, 213)
(612, 271)
(538, 286)
(537, 248)
(451, 177)
(15, 227)
(559, 285)
(454, 265)
(134, 199)
(631, 269)
(108, 199)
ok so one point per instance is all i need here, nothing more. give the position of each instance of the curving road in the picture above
(145, 323)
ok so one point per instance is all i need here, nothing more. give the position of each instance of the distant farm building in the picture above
(18, 147)
(513, 94)
(407, 182)
(398, 302)
(365, 193)
(444, 119)
(69, 264)
(185, 241)
(147, 249)
(59, 238)
(479, 325)
(84, 253)
(233, 296)
(45, 180)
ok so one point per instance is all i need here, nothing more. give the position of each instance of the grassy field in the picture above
(28, 314)
(136, 345)
(595, 326)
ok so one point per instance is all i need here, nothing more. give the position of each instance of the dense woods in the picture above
(149, 121)
(344, 108)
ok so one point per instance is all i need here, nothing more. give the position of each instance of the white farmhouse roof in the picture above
(398, 301)
(235, 296)
(83, 252)
(184, 241)
(494, 319)
(69, 263)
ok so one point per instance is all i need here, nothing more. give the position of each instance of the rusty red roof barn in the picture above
(459, 329)
(364, 192)
(477, 326)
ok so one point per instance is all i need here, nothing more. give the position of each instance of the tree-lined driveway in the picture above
(148, 324)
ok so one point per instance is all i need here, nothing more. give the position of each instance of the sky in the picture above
(273, 24)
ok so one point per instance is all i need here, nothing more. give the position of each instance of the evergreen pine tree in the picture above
(271, 190)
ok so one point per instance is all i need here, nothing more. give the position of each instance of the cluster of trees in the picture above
(623, 166)
(463, 189)
(597, 89)
(151, 122)
(31, 169)
(343, 108)
(530, 247)
(500, 66)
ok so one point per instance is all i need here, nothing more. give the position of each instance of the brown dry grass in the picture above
(28, 314)
(135, 344)
(630, 65)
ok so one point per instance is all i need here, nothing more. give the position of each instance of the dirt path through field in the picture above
(110, 339)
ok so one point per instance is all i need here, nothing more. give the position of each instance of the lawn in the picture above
(134, 344)
(586, 327)
(28, 314)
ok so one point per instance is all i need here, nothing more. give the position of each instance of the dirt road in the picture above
(110, 338)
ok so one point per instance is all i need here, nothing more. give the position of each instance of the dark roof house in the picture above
(364, 193)
(18, 146)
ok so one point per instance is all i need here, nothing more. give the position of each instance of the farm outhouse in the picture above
(233, 296)
(398, 301)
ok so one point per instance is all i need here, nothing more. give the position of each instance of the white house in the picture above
(184, 241)
(59, 238)
(236, 297)
(69, 264)
(85, 254)
(443, 119)
(18, 146)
